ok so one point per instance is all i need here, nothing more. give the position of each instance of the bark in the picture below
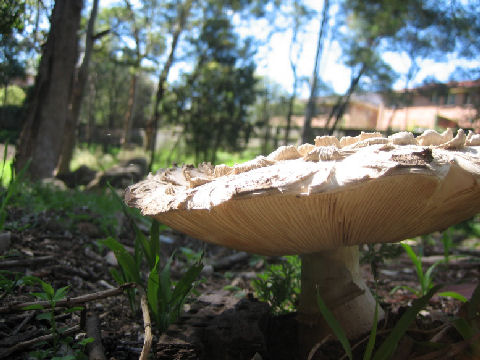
(266, 124)
(153, 124)
(128, 120)
(307, 134)
(77, 97)
(47, 110)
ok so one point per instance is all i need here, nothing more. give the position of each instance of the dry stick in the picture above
(68, 301)
(23, 323)
(147, 341)
(451, 351)
(29, 343)
(317, 346)
(25, 262)
(95, 348)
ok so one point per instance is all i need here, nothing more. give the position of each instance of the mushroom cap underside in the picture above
(383, 210)
(375, 195)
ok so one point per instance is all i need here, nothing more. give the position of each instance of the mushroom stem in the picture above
(336, 274)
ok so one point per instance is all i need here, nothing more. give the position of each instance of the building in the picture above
(455, 104)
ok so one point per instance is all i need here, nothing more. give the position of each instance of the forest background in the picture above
(182, 77)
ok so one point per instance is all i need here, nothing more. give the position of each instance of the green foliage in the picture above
(425, 279)
(447, 242)
(387, 348)
(10, 280)
(69, 205)
(11, 16)
(376, 254)
(14, 95)
(279, 285)
(165, 297)
(12, 188)
(62, 347)
(211, 103)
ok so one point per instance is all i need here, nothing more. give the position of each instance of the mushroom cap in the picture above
(374, 190)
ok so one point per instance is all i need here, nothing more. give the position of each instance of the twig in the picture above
(68, 301)
(450, 351)
(95, 348)
(25, 262)
(379, 332)
(228, 261)
(29, 343)
(23, 323)
(317, 346)
(147, 341)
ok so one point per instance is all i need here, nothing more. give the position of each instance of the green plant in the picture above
(388, 346)
(12, 188)
(62, 347)
(10, 280)
(165, 297)
(468, 325)
(425, 279)
(279, 285)
(376, 254)
(447, 242)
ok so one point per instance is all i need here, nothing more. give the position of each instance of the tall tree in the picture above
(307, 134)
(77, 95)
(183, 10)
(212, 102)
(300, 16)
(47, 107)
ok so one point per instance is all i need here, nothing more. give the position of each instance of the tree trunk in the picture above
(307, 134)
(128, 120)
(47, 110)
(339, 109)
(289, 118)
(77, 97)
(152, 125)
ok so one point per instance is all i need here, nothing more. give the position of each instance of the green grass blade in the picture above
(185, 284)
(463, 328)
(125, 260)
(153, 287)
(373, 334)
(474, 303)
(4, 162)
(388, 347)
(334, 325)
(166, 284)
(155, 237)
(453, 295)
(416, 261)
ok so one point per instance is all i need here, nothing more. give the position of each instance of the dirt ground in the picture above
(223, 320)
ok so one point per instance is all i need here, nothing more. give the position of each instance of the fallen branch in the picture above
(95, 348)
(29, 343)
(450, 351)
(25, 262)
(68, 302)
(147, 325)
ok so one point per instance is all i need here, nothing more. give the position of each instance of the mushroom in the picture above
(322, 202)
